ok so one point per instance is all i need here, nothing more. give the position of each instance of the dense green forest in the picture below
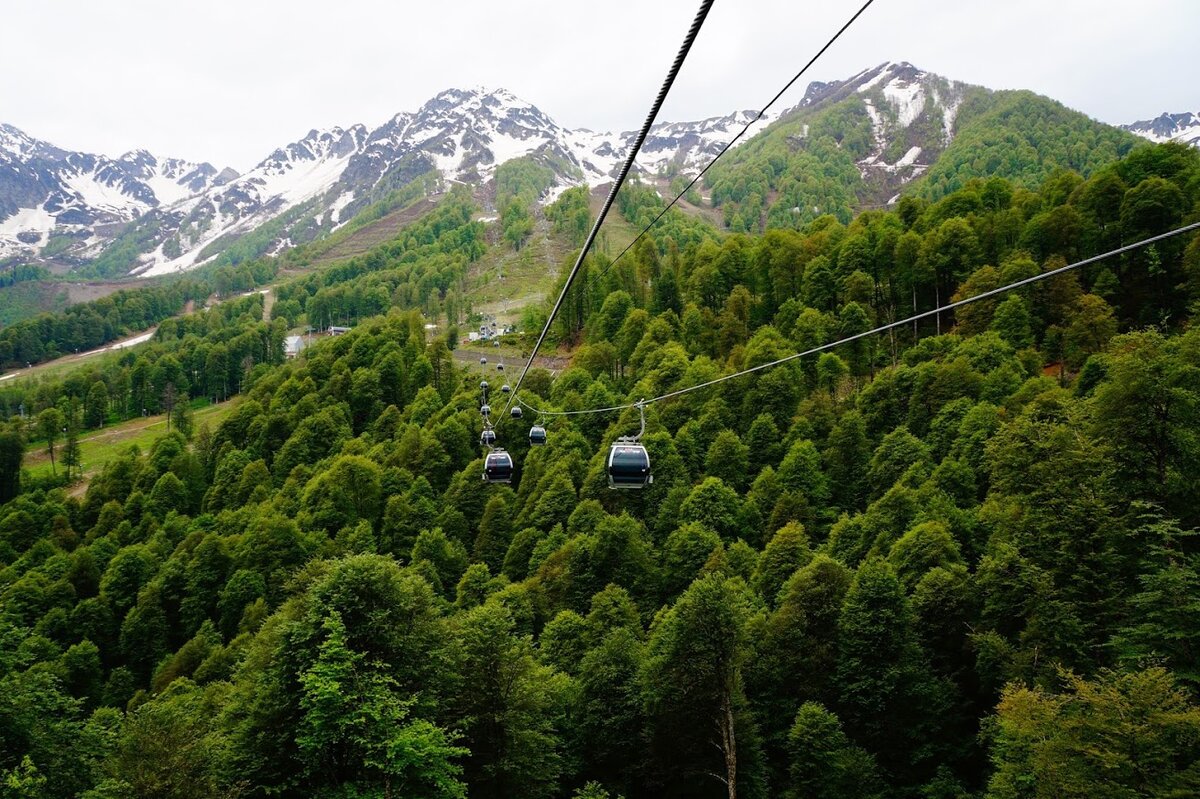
(92, 324)
(955, 561)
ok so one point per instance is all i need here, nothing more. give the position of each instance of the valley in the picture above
(865, 471)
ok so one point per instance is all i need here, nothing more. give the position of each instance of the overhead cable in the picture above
(732, 142)
(688, 40)
(883, 328)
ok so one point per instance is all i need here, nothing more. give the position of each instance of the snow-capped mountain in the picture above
(461, 134)
(86, 197)
(1183, 128)
(162, 215)
(912, 114)
(183, 214)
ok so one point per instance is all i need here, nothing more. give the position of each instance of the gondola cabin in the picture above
(498, 467)
(515, 412)
(537, 435)
(628, 465)
(488, 437)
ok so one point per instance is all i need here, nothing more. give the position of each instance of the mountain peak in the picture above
(466, 102)
(460, 134)
(20, 144)
(1182, 127)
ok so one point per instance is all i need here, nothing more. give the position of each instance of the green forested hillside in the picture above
(799, 169)
(810, 162)
(1022, 137)
(91, 324)
(955, 561)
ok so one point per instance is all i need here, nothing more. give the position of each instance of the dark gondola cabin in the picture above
(488, 437)
(515, 412)
(498, 467)
(537, 435)
(628, 465)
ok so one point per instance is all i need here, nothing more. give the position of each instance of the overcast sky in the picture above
(230, 80)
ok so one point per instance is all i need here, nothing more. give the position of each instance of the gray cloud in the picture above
(228, 81)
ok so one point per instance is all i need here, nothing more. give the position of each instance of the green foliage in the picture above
(817, 178)
(1023, 138)
(843, 564)
(692, 669)
(823, 760)
(569, 215)
(353, 725)
(1117, 735)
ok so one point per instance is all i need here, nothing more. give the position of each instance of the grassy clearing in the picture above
(362, 239)
(60, 367)
(101, 446)
(505, 280)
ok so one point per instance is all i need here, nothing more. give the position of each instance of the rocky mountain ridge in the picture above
(82, 198)
(146, 215)
(1183, 128)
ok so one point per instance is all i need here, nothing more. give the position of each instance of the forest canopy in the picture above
(955, 560)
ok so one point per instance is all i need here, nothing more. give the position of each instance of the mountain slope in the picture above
(314, 185)
(1024, 137)
(457, 136)
(45, 190)
(856, 143)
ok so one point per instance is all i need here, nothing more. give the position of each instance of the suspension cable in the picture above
(592, 280)
(688, 40)
(882, 328)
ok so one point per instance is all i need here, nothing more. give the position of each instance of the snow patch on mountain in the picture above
(907, 98)
(44, 190)
(896, 95)
(463, 134)
(335, 210)
(304, 169)
(27, 227)
(93, 191)
(903, 88)
(166, 189)
(909, 157)
(597, 154)
(1183, 128)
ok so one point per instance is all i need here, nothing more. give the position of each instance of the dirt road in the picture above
(119, 344)
(512, 359)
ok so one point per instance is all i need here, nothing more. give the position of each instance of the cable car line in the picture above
(583, 412)
(882, 328)
(688, 40)
(729, 145)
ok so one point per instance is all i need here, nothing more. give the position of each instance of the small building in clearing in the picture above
(292, 345)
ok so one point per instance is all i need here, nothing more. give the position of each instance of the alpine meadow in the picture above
(433, 460)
